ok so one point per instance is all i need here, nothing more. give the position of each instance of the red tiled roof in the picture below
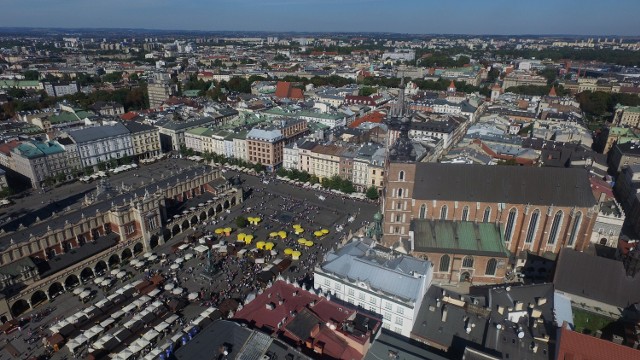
(575, 346)
(129, 116)
(284, 89)
(372, 117)
(6, 147)
(285, 300)
(599, 186)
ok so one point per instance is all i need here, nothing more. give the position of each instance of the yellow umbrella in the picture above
(257, 219)
(296, 255)
(273, 234)
(308, 243)
(219, 231)
(247, 240)
(324, 231)
(299, 231)
(260, 245)
(241, 236)
(297, 226)
(227, 231)
(317, 233)
(302, 241)
(288, 251)
(282, 234)
(269, 246)
(248, 237)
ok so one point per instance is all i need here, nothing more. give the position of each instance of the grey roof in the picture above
(388, 276)
(167, 123)
(31, 227)
(241, 342)
(136, 127)
(503, 184)
(596, 278)
(265, 135)
(388, 344)
(429, 324)
(98, 132)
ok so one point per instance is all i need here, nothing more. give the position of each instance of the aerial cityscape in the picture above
(301, 179)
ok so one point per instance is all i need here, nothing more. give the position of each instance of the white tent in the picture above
(171, 319)
(153, 354)
(77, 291)
(150, 335)
(129, 308)
(154, 292)
(107, 322)
(179, 260)
(169, 286)
(183, 246)
(188, 256)
(106, 282)
(161, 327)
(177, 291)
(174, 267)
(98, 280)
(114, 271)
(193, 296)
(121, 274)
(153, 257)
(147, 255)
(117, 315)
(200, 248)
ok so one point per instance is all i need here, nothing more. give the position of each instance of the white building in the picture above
(377, 280)
(102, 143)
(608, 226)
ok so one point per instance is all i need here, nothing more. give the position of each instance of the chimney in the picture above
(444, 313)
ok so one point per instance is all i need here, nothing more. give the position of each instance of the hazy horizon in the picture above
(460, 17)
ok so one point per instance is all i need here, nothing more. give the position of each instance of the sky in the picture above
(513, 17)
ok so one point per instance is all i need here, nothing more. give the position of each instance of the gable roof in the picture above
(503, 184)
(285, 89)
(597, 278)
(575, 346)
(98, 132)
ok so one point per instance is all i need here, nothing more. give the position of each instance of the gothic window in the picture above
(467, 262)
(465, 213)
(533, 226)
(423, 211)
(444, 263)
(576, 227)
(555, 228)
(487, 214)
(511, 222)
(443, 212)
(491, 267)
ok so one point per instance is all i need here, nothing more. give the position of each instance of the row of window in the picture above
(467, 262)
(511, 221)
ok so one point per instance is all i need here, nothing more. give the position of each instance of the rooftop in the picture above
(504, 184)
(98, 132)
(462, 237)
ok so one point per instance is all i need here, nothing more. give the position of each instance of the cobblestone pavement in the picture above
(279, 204)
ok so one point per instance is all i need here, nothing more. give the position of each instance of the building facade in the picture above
(540, 209)
(389, 284)
(102, 143)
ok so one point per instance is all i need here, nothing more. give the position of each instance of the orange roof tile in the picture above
(573, 345)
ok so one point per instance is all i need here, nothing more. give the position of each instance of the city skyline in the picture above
(414, 17)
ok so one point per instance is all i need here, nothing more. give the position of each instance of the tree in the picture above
(366, 91)
(31, 75)
(242, 222)
(282, 172)
(372, 193)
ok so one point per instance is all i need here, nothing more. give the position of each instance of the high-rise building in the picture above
(160, 89)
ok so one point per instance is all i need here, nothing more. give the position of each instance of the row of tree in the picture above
(221, 159)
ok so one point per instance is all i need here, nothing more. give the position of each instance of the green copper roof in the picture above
(461, 237)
